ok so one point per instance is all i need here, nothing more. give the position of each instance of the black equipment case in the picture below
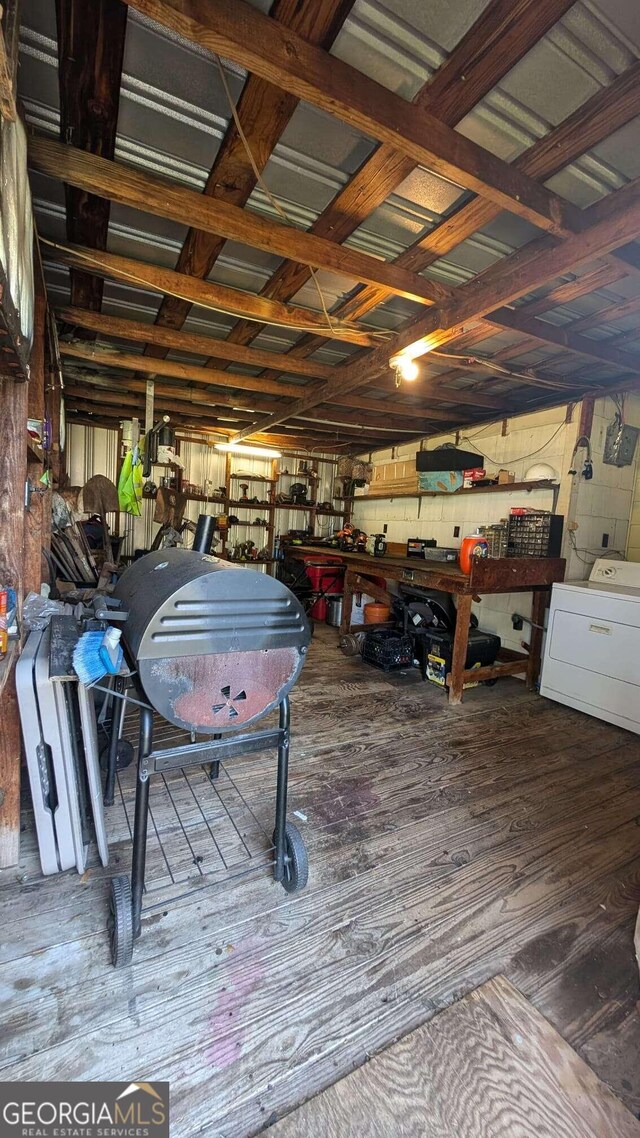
(482, 650)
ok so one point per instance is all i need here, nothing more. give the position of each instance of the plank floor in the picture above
(446, 846)
(490, 1066)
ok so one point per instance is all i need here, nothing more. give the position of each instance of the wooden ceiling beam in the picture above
(239, 32)
(607, 315)
(502, 34)
(100, 357)
(142, 333)
(140, 274)
(103, 357)
(118, 406)
(91, 37)
(605, 112)
(161, 198)
(195, 395)
(392, 406)
(608, 226)
(564, 336)
(602, 275)
(244, 407)
(90, 412)
(263, 112)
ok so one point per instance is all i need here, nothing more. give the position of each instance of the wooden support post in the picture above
(460, 644)
(539, 606)
(13, 473)
(347, 601)
(37, 519)
(586, 417)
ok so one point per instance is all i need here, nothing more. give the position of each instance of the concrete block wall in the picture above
(603, 505)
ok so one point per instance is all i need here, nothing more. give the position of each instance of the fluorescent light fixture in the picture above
(256, 452)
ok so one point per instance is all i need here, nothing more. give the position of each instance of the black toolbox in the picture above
(434, 650)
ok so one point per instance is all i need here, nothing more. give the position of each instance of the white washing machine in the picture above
(592, 650)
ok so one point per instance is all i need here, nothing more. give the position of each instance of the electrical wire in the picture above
(491, 365)
(516, 458)
(265, 189)
(122, 274)
(593, 553)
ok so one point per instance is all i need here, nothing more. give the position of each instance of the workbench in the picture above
(488, 575)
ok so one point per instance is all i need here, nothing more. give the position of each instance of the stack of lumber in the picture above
(72, 557)
(395, 478)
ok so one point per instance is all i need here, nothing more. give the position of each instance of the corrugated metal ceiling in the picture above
(173, 116)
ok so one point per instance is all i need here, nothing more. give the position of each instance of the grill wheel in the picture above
(296, 860)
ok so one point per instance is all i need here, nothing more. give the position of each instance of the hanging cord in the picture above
(518, 458)
(265, 189)
(490, 364)
(311, 329)
(604, 551)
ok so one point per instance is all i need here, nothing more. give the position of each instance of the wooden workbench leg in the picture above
(460, 644)
(347, 602)
(539, 605)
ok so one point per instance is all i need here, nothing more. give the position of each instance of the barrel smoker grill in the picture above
(213, 650)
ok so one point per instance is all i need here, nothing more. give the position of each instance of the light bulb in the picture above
(405, 368)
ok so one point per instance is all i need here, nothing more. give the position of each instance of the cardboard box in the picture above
(505, 476)
(471, 476)
(441, 481)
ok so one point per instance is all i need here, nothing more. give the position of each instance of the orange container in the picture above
(376, 613)
(473, 546)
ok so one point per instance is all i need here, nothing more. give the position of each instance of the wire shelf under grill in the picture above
(201, 832)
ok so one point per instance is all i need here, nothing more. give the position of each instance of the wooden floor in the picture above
(490, 1066)
(447, 845)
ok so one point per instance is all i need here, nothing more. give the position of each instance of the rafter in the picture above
(91, 37)
(263, 112)
(607, 227)
(503, 33)
(607, 315)
(143, 191)
(607, 110)
(215, 296)
(121, 404)
(166, 338)
(564, 336)
(100, 357)
(241, 33)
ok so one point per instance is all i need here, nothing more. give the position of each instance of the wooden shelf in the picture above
(322, 513)
(205, 498)
(508, 487)
(248, 505)
(254, 478)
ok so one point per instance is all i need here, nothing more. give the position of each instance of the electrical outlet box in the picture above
(620, 444)
(456, 531)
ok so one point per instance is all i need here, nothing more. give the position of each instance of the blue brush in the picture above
(97, 654)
